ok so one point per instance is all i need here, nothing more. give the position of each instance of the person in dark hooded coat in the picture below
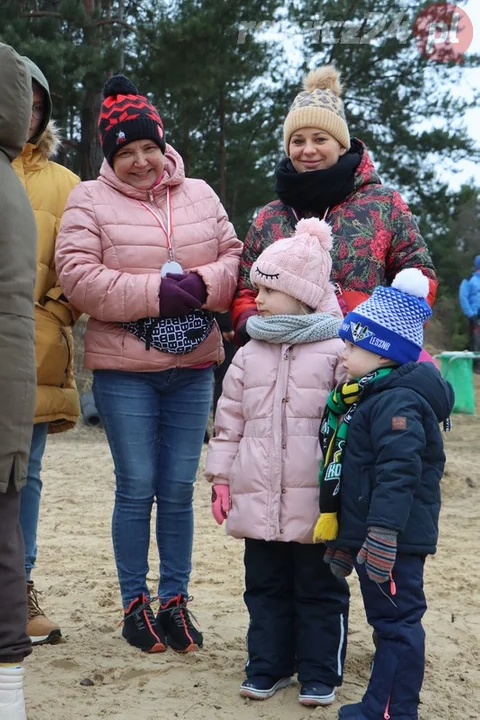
(17, 375)
(48, 186)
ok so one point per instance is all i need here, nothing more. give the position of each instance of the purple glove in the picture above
(180, 293)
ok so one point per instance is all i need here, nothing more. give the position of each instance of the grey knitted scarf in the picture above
(294, 329)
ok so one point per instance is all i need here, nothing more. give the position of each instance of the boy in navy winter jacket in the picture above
(380, 484)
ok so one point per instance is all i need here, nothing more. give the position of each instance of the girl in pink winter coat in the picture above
(149, 255)
(264, 462)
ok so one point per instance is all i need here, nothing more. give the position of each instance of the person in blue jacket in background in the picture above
(380, 483)
(469, 296)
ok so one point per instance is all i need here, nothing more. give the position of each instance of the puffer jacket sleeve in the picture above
(55, 300)
(57, 303)
(220, 277)
(408, 248)
(229, 424)
(398, 445)
(106, 294)
(243, 305)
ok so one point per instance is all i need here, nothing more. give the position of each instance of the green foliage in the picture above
(392, 92)
(73, 43)
(216, 96)
(451, 223)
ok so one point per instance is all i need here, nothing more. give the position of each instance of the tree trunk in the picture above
(121, 52)
(90, 150)
(222, 184)
(187, 155)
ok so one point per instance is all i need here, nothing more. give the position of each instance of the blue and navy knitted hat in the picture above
(390, 323)
(476, 262)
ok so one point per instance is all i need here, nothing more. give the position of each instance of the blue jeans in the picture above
(30, 496)
(155, 424)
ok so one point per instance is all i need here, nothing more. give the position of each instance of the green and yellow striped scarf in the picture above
(340, 408)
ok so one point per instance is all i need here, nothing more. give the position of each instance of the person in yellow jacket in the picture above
(48, 186)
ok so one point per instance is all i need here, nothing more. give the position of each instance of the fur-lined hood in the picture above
(35, 155)
(49, 142)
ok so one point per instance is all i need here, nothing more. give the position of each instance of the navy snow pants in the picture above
(298, 613)
(398, 666)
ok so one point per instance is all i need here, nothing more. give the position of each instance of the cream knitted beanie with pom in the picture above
(319, 105)
(299, 266)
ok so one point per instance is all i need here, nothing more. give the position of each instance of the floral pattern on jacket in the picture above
(374, 237)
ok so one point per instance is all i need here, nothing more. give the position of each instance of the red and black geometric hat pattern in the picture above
(126, 116)
(121, 108)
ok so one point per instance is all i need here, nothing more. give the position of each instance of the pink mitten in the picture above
(220, 502)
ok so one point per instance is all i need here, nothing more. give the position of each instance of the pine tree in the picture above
(76, 43)
(216, 96)
(397, 100)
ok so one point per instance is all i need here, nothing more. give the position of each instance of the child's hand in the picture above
(340, 561)
(378, 552)
(220, 502)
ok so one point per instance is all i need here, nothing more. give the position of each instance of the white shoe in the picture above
(12, 704)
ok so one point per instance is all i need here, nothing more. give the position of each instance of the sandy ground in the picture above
(77, 575)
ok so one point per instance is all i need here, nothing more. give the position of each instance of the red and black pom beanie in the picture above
(127, 116)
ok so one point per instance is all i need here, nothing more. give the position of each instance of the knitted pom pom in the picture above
(318, 228)
(326, 77)
(412, 281)
(119, 85)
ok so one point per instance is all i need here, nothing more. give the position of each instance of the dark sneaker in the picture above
(176, 622)
(140, 628)
(262, 687)
(316, 693)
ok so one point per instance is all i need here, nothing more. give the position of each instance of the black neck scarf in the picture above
(317, 190)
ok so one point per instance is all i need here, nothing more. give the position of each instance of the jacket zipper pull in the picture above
(393, 587)
(386, 714)
(150, 197)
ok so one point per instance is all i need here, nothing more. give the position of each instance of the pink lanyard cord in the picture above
(297, 218)
(167, 230)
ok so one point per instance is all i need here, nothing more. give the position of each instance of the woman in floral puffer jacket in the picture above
(329, 175)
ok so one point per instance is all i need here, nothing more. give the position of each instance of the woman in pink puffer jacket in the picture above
(149, 255)
(264, 462)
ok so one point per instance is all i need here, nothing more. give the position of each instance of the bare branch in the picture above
(131, 28)
(116, 21)
(43, 13)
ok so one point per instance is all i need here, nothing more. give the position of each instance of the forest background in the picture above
(223, 73)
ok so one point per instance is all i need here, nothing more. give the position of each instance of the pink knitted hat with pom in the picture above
(299, 266)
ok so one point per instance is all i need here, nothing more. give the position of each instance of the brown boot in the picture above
(40, 629)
